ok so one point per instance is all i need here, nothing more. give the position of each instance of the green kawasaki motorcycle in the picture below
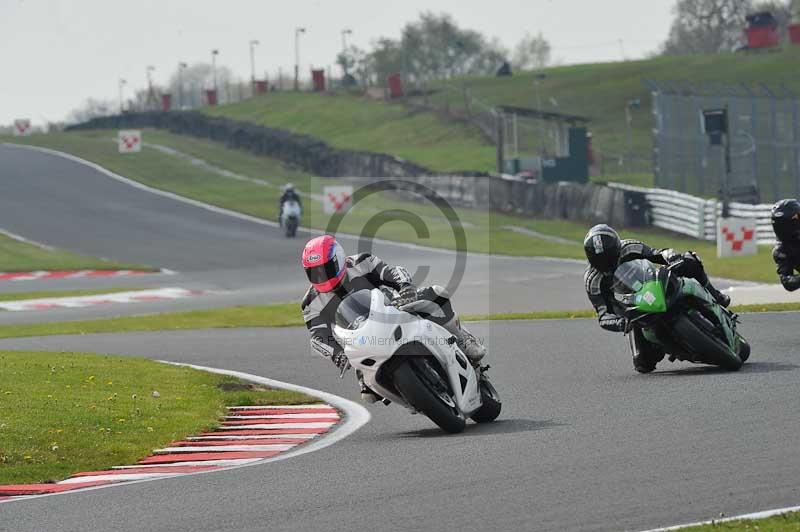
(678, 314)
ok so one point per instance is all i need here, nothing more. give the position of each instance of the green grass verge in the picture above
(21, 296)
(279, 315)
(485, 231)
(18, 256)
(63, 413)
(789, 522)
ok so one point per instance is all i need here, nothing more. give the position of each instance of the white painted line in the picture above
(286, 416)
(134, 296)
(356, 416)
(19, 238)
(755, 515)
(219, 463)
(225, 448)
(281, 407)
(122, 477)
(318, 425)
(256, 437)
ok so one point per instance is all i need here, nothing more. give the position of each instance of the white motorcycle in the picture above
(290, 219)
(413, 362)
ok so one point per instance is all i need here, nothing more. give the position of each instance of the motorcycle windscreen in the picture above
(636, 285)
(353, 311)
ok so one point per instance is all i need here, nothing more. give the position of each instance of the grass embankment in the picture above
(63, 413)
(351, 122)
(485, 231)
(789, 522)
(598, 91)
(21, 296)
(18, 256)
(280, 315)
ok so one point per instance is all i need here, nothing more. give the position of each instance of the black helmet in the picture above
(602, 247)
(786, 220)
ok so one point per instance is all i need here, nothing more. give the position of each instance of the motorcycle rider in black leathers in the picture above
(333, 275)
(786, 253)
(605, 251)
(289, 194)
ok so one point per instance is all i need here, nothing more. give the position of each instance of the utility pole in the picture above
(253, 44)
(181, 66)
(297, 32)
(121, 84)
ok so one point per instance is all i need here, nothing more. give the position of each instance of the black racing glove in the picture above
(615, 324)
(407, 295)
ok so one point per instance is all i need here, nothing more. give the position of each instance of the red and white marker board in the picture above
(22, 127)
(129, 141)
(736, 237)
(337, 199)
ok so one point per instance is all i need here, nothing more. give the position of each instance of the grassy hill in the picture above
(599, 91)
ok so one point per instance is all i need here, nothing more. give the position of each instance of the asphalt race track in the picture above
(68, 205)
(583, 443)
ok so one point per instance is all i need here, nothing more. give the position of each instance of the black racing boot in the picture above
(719, 297)
(367, 395)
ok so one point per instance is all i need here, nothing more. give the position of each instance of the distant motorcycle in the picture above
(678, 314)
(413, 362)
(290, 219)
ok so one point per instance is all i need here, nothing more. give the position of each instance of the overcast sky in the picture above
(56, 53)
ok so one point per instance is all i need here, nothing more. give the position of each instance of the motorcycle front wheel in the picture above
(710, 349)
(421, 395)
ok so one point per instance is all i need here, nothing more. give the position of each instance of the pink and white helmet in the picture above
(324, 263)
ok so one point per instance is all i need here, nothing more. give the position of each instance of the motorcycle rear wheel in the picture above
(417, 392)
(710, 349)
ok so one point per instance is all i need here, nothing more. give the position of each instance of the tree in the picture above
(532, 52)
(434, 47)
(707, 26)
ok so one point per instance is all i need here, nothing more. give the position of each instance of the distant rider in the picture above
(786, 253)
(333, 275)
(289, 194)
(605, 251)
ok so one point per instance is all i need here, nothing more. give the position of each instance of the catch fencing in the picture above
(764, 139)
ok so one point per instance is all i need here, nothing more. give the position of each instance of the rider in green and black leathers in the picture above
(605, 251)
(786, 254)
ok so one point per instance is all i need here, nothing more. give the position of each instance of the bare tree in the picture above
(707, 26)
(532, 52)
(92, 108)
(187, 84)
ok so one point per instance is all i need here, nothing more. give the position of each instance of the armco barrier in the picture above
(697, 217)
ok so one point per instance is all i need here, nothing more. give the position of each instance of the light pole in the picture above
(345, 33)
(214, 54)
(537, 78)
(151, 97)
(181, 66)
(630, 104)
(253, 44)
(297, 32)
(121, 83)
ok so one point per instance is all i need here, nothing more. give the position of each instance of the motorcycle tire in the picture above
(417, 392)
(491, 406)
(710, 350)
